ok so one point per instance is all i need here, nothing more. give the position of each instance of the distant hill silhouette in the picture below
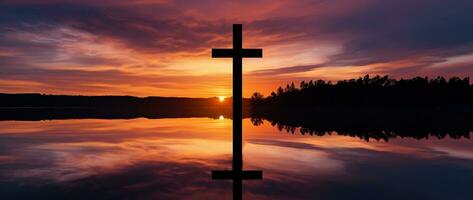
(123, 102)
(40, 107)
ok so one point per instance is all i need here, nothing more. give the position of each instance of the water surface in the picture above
(172, 159)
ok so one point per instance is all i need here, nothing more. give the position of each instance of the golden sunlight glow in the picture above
(221, 98)
(221, 117)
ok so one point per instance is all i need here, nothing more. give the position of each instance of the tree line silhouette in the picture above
(371, 107)
(378, 91)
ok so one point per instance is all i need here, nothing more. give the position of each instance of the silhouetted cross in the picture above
(237, 53)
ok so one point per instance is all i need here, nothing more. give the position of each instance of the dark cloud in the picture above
(390, 30)
(158, 33)
(285, 70)
(382, 31)
(378, 31)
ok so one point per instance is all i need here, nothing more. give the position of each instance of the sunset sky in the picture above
(162, 47)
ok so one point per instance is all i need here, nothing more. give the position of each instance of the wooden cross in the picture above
(237, 54)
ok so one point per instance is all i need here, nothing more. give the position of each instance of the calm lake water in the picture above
(172, 159)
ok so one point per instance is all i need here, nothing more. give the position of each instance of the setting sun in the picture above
(221, 98)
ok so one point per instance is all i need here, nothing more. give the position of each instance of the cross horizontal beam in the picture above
(230, 53)
(230, 175)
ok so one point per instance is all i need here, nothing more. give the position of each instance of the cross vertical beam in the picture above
(237, 54)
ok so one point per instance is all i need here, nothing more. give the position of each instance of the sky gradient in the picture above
(162, 47)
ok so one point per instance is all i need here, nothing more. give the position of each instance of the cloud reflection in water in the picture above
(172, 159)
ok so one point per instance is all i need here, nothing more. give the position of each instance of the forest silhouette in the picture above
(378, 91)
(377, 108)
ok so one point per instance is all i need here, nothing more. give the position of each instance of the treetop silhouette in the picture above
(367, 91)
